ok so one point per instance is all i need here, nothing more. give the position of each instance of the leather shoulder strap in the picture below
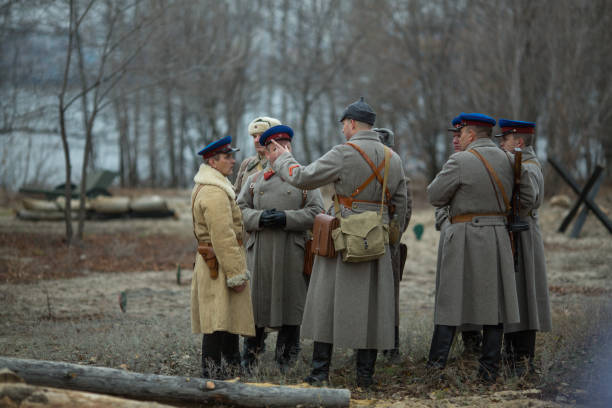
(252, 185)
(493, 175)
(193, 210)
(532, 162)
(375, 172)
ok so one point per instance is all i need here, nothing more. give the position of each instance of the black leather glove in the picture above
(273, 219)
(266, 217)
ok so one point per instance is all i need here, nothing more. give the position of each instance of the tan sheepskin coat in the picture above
(217, 219)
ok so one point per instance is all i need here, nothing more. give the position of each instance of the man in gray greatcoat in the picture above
(470, 334)
(531, 283)
(476, 280)
(277, 217)
(398, 250)
(350, 304)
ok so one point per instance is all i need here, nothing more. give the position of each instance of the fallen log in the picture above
(24, 395)
(164, 388)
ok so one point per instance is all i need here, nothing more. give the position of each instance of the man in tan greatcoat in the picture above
(277, 217)
(531, 282)
(221, 306)
(476, 277)
(256, 163)
(350, 304)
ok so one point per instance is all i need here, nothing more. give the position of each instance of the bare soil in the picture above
(62, 303)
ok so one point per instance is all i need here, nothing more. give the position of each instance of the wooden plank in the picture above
(574, 186)
(585, 210)
(581, 197)
(163, 388)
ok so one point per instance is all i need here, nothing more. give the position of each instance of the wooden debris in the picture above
(170, 389)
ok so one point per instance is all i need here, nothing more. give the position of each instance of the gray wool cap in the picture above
(359, 111)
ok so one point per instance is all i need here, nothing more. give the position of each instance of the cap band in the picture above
(278, 136)
(221, 149)
(475, 123)
(514, 129)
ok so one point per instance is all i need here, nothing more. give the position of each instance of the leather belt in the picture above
(470, 216)
(209, 244)
(347, 202)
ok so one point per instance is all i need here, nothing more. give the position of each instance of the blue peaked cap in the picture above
(279, 132)
(222, 145)
(515, 126)
(471, 119)
(516, 123)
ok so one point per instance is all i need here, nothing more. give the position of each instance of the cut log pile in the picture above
(101, 207)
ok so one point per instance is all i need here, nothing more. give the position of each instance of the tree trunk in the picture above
(182, 145)
(135, 145)
(171, 389)
(152, 141)
(170, 138)
(19, 395)
(68, 165)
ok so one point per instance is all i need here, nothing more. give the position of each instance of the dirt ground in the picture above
(78, 318)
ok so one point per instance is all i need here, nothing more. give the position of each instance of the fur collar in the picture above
(206, 175)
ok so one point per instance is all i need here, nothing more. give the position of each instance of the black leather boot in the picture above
(230, 353)
(519, 350)
(491, 353)
(253, 347)
(366, 361)
(509, 354)
(472, 341)
(212, 345)
(287, 346)
(441, 342)
(393, 353)
(321, 360)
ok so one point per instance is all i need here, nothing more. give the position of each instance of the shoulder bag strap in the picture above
(384, 186)
(532, 162)
(375, 172)
(493, 175)
(252, 185)
(193, 210)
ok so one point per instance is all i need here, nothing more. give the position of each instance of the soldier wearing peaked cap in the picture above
(277, 216)
(221, 306)
(476, 275)
(256, 163)
(350, 304)
(398, 250)
(470, 334)
(531, 282)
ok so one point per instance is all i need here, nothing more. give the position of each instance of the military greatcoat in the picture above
(275, 256)
(476, 282)
(217, 220)
(249, 166)
(350, 304)
(531, 284)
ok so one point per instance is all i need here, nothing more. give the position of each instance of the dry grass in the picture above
(154, 336)
(567, 358)
(29, 257)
